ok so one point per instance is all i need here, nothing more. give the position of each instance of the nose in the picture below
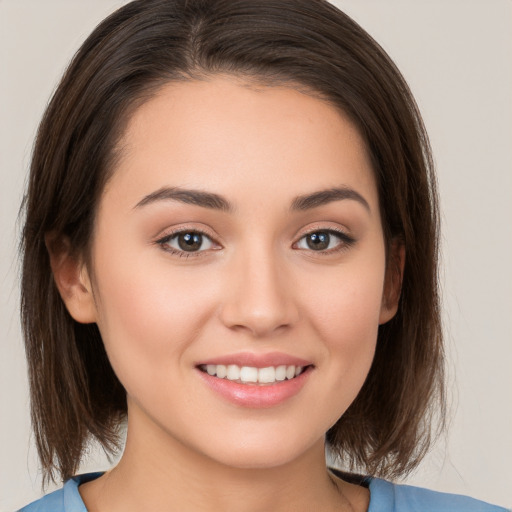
(259, 296)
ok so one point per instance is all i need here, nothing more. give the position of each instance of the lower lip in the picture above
(256, 395)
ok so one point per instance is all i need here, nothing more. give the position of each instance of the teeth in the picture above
(221, 371)
(267, 375)
(281, 373)
(290, 372)
(233, 372)
(250, 374)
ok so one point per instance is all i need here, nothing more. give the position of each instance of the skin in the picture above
(257, 287)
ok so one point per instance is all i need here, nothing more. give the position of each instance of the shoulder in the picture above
(53, 501)
(388, 497)
(67, 499)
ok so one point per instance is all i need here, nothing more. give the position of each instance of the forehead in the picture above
(228, 135)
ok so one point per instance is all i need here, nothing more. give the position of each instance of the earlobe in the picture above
(72, 279)
(393, 282)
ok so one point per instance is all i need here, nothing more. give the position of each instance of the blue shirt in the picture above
(384, 497)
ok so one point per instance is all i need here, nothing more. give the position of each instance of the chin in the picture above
(268, 453)
(256, 460)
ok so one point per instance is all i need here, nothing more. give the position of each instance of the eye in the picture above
(186, 242)
(324, 240)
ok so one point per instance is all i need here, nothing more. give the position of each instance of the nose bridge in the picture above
(260, 299)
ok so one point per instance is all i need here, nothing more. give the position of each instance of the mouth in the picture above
(252, 375)
(252, 380)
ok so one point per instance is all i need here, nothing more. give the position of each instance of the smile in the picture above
(255, 380)
(251, 374)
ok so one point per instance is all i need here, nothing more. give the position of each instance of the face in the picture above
(239, 269)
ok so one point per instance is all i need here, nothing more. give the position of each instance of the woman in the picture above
(231, 242)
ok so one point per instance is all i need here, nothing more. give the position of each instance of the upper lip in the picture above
(257, 360)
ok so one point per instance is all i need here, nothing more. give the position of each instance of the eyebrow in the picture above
(217, 202)
(322, 197)
(196, 197)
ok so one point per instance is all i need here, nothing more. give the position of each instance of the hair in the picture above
(310, 44)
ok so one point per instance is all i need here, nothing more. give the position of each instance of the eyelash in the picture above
(164, 241)
(345, 241)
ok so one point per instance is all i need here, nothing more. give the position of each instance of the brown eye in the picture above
(187, 241)
(318, 241)
(325, 241)
(190, 241)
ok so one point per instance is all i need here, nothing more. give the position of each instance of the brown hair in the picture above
(74, 391)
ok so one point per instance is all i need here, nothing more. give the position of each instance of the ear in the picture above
(393, 281)
(72, 279)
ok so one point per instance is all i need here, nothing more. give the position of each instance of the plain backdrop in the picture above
(457, 57)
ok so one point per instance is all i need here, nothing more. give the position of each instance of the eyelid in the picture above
(168, 235)
(326, 226)
(346, 240)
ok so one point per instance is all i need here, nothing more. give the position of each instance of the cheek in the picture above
(147, 319)
(345, 315)
(346, 307)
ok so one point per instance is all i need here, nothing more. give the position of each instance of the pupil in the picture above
(190, 241)
(318, 241)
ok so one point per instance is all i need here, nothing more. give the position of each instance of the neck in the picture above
(159, 473)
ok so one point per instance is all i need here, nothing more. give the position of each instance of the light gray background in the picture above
(456, 56)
